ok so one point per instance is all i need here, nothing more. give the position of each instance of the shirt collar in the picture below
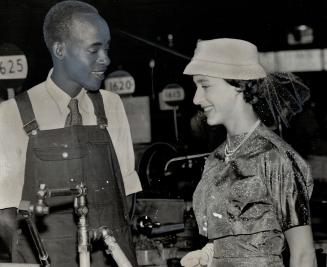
(60, 97)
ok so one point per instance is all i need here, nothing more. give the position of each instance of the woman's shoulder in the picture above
(275, 146)
(281, 156)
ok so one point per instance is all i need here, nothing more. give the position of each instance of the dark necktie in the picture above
(74, 117)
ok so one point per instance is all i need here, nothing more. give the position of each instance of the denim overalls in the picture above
(63, 158)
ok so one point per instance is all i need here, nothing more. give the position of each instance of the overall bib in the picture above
(63, 158)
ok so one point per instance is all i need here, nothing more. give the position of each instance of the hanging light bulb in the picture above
(301, 34)
(152, 63)
(170, 40)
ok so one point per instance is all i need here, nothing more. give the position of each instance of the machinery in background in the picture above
(164, 226)
(167, 173)
(164, 231)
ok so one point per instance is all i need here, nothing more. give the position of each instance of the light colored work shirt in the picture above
(49, 103)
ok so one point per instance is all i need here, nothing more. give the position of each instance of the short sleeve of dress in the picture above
(290, 183)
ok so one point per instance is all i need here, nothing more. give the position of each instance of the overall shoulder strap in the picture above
(99, 111)
(27, 115)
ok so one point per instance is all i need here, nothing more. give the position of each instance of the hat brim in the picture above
(225, 71)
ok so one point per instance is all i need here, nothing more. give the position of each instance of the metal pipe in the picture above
(80, 207)
(185, 158)
(176, 124)
(44, 192)
(64, 192)
(84, 259)
(44, 257)
(114, 249)
(25, 210)
(167, 228)
(83, 243)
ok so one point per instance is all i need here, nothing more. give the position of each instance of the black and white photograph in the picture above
(163, 133)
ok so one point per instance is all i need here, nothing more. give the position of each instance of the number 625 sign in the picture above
(13, 67)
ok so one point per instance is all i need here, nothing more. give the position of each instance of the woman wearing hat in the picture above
(255, 189)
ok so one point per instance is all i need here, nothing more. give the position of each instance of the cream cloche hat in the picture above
(227, 59)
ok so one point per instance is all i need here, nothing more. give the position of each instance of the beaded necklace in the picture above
(230, 152)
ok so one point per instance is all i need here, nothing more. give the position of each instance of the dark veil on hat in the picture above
(285, 94)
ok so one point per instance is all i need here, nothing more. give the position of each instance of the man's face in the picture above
(86, 53)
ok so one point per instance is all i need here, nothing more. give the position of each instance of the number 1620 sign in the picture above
(121, 85)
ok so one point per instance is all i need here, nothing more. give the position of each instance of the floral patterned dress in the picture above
(244, 205)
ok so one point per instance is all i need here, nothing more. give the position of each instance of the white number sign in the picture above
(121, 85)
(173, 94)
(13, 67)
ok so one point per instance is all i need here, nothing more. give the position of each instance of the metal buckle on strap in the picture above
(102, 122)
(103, 125)
(31, 127)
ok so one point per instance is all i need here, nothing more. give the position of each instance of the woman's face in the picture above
(216, 97)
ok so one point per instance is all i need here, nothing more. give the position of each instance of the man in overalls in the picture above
(62, 132)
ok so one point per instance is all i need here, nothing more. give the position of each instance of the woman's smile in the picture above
(207, 109)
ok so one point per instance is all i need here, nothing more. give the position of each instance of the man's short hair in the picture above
(58, 21)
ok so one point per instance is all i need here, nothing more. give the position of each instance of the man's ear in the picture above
(58, 50)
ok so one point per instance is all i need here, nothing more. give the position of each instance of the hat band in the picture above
(224, 63)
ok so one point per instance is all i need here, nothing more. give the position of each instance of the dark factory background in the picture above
(166, 32)
(153, 41)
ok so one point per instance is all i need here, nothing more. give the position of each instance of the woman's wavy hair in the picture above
(276, 98)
